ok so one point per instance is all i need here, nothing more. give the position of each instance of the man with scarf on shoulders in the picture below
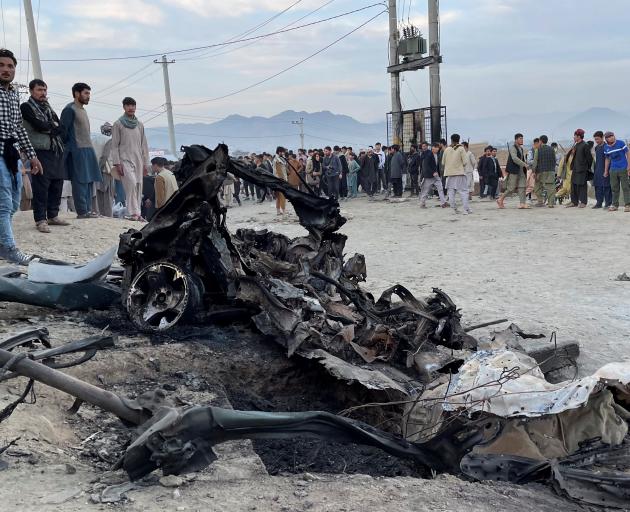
(130, 154)
(79, 157)
(280, 170)
(44, 131)
(12, 134)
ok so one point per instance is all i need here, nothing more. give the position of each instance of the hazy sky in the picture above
(500, 56)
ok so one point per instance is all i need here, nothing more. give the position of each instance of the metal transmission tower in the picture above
(32, 40)
(406, 54)
(169, 103)
(301, 124)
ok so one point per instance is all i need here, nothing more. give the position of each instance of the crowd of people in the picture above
(58, 156)
(542, 175)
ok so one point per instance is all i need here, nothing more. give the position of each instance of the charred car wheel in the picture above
(161, 294)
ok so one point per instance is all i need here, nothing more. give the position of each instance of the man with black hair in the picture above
(544, 167)
(130, 154)
(343, 184)
(517, 174)
(80, 160)
(454, 161)
(382, 157)
(44, 131)
(471, 164)
(483, 167)
(494, 173)
(431, 176)
(397, 166)
(580, 167)
(601, 182)
(11, 133)
(413, 165)
(332, 171)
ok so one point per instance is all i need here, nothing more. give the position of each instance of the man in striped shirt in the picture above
(12, 134)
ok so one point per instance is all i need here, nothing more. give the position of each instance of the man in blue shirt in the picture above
(618, 168)
(603, 194)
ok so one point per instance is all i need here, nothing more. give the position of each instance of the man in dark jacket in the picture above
(431, 176)
(581, 167)
(396, 168)
(343, 185)
(332, 171)
(43, 129)
(482, 167)
(413, 166)
(544, 167)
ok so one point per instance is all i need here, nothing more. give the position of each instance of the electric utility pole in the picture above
(434, 70)
(169, 103)
(301, 123)
(32, 40)
(395, 75)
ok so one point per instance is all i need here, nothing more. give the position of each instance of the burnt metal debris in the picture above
(482, 408)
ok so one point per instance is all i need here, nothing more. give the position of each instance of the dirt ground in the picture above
(543, 269)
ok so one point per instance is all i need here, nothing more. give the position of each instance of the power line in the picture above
(100, 91)
(260, 25)
(225, 43)
(321, 50)
(118, 89)
(218, 54)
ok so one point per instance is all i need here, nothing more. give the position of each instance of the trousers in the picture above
(132, 183)
(333, 183)
(619, 181)
(603, 196)
(10, 192)
(413, 184)
(427, 185)
(397, 183)
(579, 193)
(46, 196)
(458, 184)
(545, 182)
(82, 195)
(352, 185)
(516, 183)
(281, 201)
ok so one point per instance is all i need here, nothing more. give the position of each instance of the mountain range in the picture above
(323, 128)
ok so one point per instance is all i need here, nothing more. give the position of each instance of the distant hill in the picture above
(323, 128)
(265, 133)
(557, 125)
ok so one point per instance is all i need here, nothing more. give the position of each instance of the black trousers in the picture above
(579, 193)
(46, 196)
(343, 186)
(397, 184)
(482, 186)
(415, 189)
(332, 183)
(492, 184)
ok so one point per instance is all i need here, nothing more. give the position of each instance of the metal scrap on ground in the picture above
(482, 408)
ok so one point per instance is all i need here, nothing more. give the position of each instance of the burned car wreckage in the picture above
(480, 408)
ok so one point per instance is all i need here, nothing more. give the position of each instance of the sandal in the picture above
(612, 209)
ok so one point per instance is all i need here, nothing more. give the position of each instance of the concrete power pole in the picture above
(394, 76)
(301, 123)
(32, 40)
(434, 70)
(169, 103)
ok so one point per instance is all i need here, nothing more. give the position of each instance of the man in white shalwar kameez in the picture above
(130, 154)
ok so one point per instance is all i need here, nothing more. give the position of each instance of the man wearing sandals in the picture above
(79, 156)
(130, 154)
(618, 168)
(580, 167)
(517, 174)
